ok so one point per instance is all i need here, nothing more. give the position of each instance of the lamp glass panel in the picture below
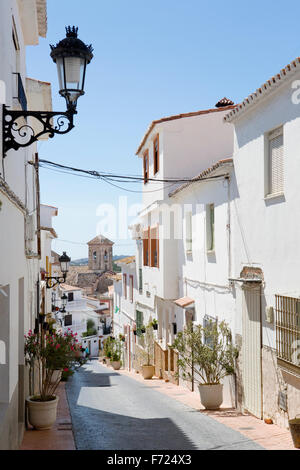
(64, 266)
(74, 67)
(60, 73)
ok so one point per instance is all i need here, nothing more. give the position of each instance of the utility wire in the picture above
(122, 178)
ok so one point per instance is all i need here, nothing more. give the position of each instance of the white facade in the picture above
(124, 317)
(267, 231)
(204, 258)
(19, 248)
(188, 145)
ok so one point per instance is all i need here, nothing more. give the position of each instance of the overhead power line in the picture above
(111, 178)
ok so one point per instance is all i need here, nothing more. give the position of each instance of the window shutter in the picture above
(276, 162)
(154, 243)
(156, 154)
(189, 231)
(146, 166)
(139, 322)
(131, 287)
(146, 247)
(125, 286)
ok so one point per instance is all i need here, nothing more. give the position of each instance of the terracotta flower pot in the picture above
(211, 396)
(148, 372)
(116, 365)
(42, 414)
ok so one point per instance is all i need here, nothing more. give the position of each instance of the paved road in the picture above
(114, 412)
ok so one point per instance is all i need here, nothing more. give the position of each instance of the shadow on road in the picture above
(96, 429)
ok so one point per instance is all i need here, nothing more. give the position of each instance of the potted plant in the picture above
(121, 337)
(51, 353)
(116, 355)
(207, 355)
(148, 368)
(143, 329)
(154, 324)
(108, 347)
(294, 426)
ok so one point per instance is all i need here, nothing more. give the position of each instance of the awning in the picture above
(184, 302)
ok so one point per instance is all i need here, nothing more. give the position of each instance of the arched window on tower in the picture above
(95, 255)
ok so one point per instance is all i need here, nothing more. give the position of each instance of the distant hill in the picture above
(84, 261)
(79, 262)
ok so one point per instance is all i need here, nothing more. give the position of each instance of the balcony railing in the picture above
(21, 92)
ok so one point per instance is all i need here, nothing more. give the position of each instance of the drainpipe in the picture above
(227, 178)
(38, 211)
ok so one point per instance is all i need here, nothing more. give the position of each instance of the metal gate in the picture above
(251, 349)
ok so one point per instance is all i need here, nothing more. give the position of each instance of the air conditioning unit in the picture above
(136, 231)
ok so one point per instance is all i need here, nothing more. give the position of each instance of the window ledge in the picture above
(189, 252)
(288, 367)
(273, 196)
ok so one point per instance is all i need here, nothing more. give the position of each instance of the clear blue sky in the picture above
(151, 59)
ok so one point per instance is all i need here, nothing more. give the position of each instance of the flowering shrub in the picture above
(51, 352)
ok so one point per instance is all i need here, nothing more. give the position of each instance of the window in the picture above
(140, 280)
(139, 322)
(154, 242)
(275, 162)
(210, 227)
(146, 166)
(288, 329)
(68, 320)
(125, 286)
(151, 247)
(95, 255)
(156, 154)
(188, 231)
(146, 247)
(131, 288)
(209, 323)
(70, 296)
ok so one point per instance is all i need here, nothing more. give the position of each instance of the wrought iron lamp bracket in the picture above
(53, 281)
(18, 134)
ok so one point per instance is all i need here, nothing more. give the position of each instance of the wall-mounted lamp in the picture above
(71, 56)
(52, 281)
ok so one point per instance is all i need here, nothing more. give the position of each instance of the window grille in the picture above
(288, 329)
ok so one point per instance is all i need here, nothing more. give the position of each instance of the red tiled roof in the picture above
(178, 116)
(99, 240)
(269, 86)
(67, 287)
(184, 302)
(202, 175)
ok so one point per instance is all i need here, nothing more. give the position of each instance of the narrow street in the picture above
(114, 412)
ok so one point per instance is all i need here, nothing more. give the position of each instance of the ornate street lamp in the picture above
(71, 56)
(52, 281)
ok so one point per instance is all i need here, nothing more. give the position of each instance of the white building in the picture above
(78, 310)
(178, 148)
(124, 319)
(266, 244)
(204, 258)
(19, 202)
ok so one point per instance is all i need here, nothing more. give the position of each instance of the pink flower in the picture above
(66, 369)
